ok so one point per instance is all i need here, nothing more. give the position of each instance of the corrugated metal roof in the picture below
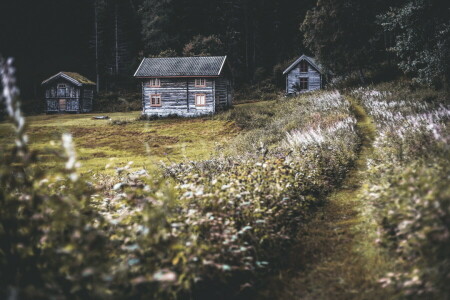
(181, 66)
(71, 76)
(309, 59)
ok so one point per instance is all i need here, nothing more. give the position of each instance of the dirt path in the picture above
(336, 256)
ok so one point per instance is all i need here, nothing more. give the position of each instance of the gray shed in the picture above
(185, 86)
(304, 75)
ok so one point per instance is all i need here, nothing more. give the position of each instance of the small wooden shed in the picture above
(68, 92)
(304, 75)
(185, 86)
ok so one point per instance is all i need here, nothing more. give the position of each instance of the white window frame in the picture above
(154, 82)
(156, 96)
(202, 98)
(200, 82)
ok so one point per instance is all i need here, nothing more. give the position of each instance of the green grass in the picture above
(100, 144)
(335, 255)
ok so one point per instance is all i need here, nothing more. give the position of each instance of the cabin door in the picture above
(62, 105)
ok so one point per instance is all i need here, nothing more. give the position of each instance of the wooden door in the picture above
(62, 105)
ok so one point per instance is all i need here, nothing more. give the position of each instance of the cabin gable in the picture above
(303, 75)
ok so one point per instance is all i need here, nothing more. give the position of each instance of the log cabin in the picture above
(185, 86)
(304, 75)
(68, 92)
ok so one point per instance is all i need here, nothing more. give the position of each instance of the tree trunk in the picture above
(96, 48)
(116, 40)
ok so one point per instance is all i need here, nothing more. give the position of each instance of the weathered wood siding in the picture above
(51, 90)
(293, 78)
(224, 93)
(52, 105)
(178, 97)
(77, 99)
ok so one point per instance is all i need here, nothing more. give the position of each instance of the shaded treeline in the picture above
(111, 35)
(105, 39)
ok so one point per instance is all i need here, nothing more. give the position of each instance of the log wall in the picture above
(178, 97)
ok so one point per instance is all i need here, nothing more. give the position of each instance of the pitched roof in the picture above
(309, 59)
(72, 77)
(181, 66)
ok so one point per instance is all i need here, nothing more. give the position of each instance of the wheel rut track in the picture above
(335, 255)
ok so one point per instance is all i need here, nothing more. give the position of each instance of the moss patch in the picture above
(100, 144)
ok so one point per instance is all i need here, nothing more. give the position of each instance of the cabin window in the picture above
(61, 90)
(155, 82)
(155, 100)
(200, 99)
(303, 84)
(200, 82)
(303, 66)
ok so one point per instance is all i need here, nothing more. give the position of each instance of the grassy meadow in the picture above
(308, 197)
(103, 145)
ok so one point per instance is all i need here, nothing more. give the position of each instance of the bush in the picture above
(118, 102)
(204, 46)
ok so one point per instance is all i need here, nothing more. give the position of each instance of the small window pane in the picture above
(303, 66)
(155, 82)
(200, 100)
(155, 100)
(303, 84)
(200, 82)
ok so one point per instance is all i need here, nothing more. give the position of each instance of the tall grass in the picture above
(409, 189)
(199, 229)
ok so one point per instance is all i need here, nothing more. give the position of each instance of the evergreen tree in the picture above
(158, 25)
(422, 39)
(341, 34)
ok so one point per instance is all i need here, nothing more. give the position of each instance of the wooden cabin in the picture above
(68, 92)
(304, 75)
(185, 86)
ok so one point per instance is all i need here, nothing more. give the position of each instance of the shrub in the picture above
(408, 190)
(117, 102)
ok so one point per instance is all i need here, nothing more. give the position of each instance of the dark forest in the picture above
(109, 37)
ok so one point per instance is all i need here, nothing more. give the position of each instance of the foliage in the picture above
(204, 46)
(253, 34)
(259, 196)
(342, 34)
(38, 244)
(408, 190)
(167, 53)
(422, 39)
(215, 224)
(158, 33)
(263, 90)
(118, 102)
